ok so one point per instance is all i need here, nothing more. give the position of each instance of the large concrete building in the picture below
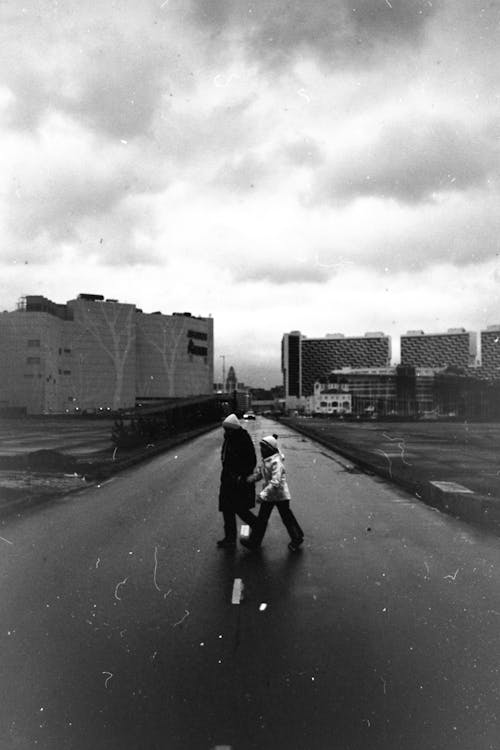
(305, 360)
(456, 348)
(490, 352)
(401, 390)
(92, 354)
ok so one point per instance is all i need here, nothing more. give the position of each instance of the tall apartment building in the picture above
(457, 347)
(490, 352)
(305, 360)
(96, 354)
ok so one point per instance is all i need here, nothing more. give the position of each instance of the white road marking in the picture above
(237, 591)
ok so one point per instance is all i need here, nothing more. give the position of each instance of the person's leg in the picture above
(291, 523)
(247, 516)
(229, 529)
(259, 529)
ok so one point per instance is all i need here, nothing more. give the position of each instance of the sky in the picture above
(324, 167)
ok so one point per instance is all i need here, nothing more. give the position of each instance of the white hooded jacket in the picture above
(272, 472)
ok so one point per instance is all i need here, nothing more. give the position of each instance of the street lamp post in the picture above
(223, 357)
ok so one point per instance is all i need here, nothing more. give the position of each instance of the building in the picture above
(94, 354)
(306, 360)
(384, 391)
(457, 347)
(490, 352)
(329, 399)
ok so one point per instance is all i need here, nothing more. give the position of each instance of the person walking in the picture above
(236, 495)
(275, 493)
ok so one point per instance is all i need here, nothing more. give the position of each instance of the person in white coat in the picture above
(275, 493)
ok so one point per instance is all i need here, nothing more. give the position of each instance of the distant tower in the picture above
(231, 380)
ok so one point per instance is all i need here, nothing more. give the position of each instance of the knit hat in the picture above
(270, 442)
(231, 422)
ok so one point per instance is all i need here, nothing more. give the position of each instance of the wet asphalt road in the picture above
(118, 630)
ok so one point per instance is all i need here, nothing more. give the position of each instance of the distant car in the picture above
(249, 415)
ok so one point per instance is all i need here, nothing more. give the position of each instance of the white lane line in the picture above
(237, 591)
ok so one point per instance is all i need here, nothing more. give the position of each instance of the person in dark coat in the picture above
(236, 495)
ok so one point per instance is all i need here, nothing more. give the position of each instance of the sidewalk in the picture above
(451, 466)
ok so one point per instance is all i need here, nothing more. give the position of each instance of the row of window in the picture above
(35, 344)
(344, 404)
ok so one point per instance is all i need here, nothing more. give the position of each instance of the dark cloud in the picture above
(108, 70)
(347, 31)
(53, 194)
(410, 164)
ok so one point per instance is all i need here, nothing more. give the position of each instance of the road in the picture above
(118, 628)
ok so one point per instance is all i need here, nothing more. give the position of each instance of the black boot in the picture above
(226, 543)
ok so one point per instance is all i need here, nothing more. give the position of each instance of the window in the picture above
(29, 375)
(67, 351)
(32, 343)
(197, 335)
(33, 360)
(66, 372)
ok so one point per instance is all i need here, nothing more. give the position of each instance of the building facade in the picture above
(490, 352)
(456, 347)
(329, 399)
(92, 354)
(385, 391)
(306, 360)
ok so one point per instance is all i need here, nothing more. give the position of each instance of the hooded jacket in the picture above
(238, 461)
(272, 472)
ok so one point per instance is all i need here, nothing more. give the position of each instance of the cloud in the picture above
(64, 175)
(410, 163)
(293, 272)
(344, 32)
(109, 70)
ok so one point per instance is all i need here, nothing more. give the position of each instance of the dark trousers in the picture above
(291, 523)
(230, 521)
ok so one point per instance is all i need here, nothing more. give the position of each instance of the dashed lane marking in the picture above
(237, 591)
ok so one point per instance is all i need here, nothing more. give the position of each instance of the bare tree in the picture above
(112, 327)
(165, 339)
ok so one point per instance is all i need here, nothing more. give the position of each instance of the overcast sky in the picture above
(327, 166)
